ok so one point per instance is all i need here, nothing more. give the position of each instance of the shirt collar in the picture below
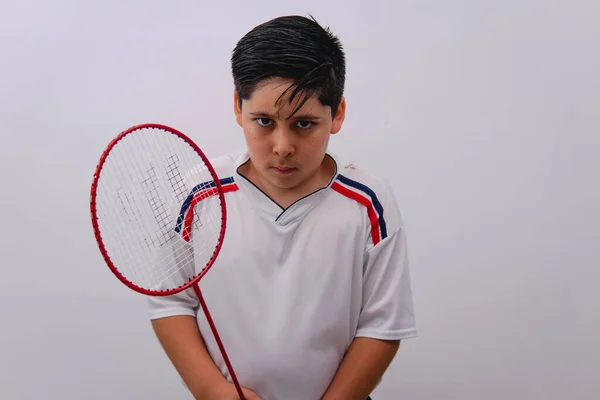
(269, 208)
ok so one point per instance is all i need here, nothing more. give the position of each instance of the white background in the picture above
(484, 115)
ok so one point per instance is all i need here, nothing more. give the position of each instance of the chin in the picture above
(284, 182)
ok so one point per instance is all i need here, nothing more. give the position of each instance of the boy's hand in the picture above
(227, 391)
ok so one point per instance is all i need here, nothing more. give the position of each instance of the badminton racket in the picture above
(159, 214)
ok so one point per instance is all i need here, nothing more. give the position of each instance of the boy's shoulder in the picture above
(224, 164)
(353, 174)
(370, 188)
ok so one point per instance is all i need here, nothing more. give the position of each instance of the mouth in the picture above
(284, 170)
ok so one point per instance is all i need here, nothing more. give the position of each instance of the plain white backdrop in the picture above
(484, 115)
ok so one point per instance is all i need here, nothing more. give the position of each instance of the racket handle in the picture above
(219, 342)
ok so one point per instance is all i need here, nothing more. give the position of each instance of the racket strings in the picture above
(201, 247)
(145, 181)
(169, 271)
(150, 192)
(127, 241)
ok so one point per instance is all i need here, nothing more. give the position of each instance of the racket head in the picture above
(112, 221)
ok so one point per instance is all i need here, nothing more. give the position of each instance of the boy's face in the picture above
(286, 154)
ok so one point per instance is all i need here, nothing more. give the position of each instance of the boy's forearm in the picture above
(181, 340)
(363, 366)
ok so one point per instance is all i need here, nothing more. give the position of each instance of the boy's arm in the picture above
(363, 366)
(387, 314)
(174, 322)
(180, 338)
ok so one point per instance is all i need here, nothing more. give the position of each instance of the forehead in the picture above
(268, 97)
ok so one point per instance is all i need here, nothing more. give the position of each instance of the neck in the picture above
(286, 197)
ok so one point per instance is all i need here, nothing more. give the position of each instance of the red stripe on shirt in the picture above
(365, 202)
(198, 197)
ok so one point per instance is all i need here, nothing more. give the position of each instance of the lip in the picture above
(284, 170)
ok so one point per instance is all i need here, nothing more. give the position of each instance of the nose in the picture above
(283, 143)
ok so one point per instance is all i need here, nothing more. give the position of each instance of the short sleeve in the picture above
(387, 304)
(185, 251)
(184, 302)
(177, 252)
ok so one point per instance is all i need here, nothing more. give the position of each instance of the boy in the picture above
(311, 290)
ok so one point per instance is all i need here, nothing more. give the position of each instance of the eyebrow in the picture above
(301, 117)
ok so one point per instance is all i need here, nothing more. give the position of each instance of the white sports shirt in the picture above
(292, 288)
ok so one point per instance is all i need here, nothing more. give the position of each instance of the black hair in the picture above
(296, 48)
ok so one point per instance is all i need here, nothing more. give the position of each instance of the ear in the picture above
(338, 118)
(237, 108)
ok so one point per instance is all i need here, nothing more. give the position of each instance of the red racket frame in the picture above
(98, 234)
(192, 283)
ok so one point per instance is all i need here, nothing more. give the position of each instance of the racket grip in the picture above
(218, 340)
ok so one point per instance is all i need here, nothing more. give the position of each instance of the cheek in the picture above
(319, 141)
(251, 133)
(257, 144)
(314, 148)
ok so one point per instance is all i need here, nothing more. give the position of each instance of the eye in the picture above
(264, 122)
(304, 124)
